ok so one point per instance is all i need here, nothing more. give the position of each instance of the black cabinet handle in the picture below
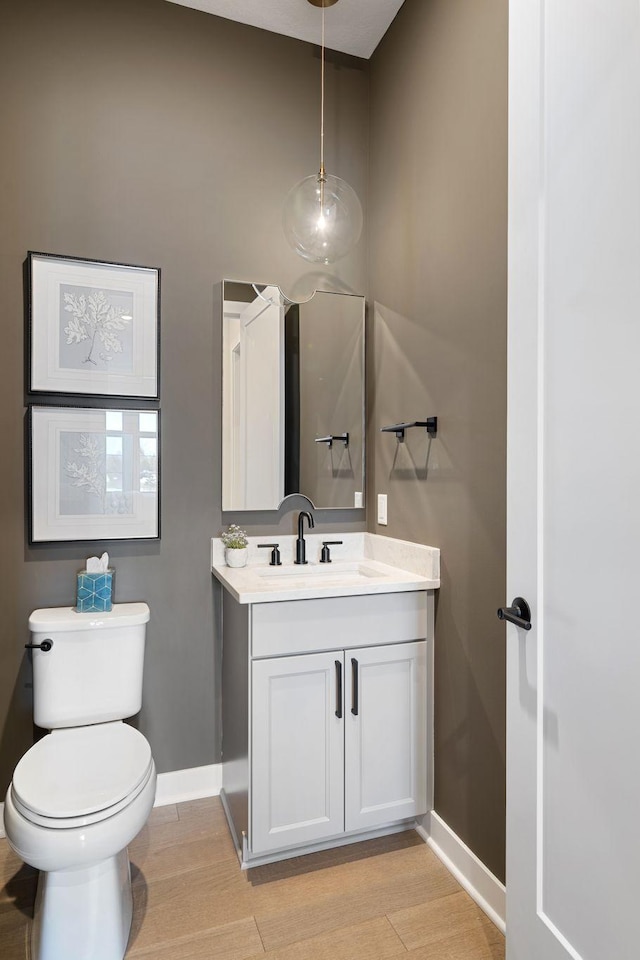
(339, 689)
(45, 646)
(354, 686)
(518, 613)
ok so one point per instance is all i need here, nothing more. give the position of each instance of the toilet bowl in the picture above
(82, 793)
(77, 799)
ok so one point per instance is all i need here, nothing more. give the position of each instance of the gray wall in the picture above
(142, 132)
(438, 206)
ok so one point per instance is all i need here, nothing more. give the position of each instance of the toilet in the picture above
(82, 793)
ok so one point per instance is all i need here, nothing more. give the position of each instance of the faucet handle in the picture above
(275, 560)
(325, 556)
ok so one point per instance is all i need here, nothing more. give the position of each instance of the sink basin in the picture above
(328, 574)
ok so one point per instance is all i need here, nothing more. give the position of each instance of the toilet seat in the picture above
(83, 821)
(82, 775)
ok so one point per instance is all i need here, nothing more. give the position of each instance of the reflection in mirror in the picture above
(293, 398)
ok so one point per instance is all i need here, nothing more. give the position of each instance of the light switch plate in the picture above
(357, 499)
(382, 509)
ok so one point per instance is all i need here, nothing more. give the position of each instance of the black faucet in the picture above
(301, 547)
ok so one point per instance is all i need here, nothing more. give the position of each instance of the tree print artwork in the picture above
(93, 327)
(97, 321)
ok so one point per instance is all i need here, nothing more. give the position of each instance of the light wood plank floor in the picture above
(384, 899)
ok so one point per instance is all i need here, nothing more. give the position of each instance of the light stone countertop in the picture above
(365, 563)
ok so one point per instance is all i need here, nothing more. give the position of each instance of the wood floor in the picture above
(378, 900)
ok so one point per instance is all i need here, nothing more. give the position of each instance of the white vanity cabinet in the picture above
(385, 735)
(326, 719)
(339, 743)
(298, 751)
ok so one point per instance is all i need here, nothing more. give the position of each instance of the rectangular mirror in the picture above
(292, 398)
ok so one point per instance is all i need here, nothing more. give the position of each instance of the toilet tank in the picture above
(93, 671)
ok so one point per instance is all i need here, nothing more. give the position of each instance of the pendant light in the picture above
(322, 216)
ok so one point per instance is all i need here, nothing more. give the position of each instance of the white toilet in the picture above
(84, 791)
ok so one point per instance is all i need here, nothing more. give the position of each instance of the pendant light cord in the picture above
(322, 101)
(322, 176)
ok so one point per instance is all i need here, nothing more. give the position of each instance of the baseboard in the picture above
(470, 872)
(177, 786)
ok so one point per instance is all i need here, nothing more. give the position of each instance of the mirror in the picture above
(292, 398)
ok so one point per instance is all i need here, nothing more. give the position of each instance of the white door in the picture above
(262, 421)
(297, 750)
(253, 403)
(573, 709)
(385, 734)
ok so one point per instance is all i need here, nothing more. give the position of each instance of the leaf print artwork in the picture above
(89, 468)
(96, 319)
(89, 473)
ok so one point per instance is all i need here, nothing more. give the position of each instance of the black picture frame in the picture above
(93, 328)
(93, 473)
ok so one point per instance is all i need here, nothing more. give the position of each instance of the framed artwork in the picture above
(93, 327)
(93, 474)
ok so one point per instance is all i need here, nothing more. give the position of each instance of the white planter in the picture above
(235, 557)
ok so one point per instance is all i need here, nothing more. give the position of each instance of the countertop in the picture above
(364, 563)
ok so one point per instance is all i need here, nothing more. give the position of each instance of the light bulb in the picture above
(322, 218)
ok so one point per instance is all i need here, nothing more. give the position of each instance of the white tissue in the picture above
(98, 564)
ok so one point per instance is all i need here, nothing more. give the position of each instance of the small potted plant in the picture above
(236, 545)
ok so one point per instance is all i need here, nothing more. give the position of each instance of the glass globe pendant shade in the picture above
(322, 218)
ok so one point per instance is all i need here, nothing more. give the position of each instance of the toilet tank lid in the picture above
(68, 618)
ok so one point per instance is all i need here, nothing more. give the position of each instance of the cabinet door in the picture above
(297, 750)
(385, 734)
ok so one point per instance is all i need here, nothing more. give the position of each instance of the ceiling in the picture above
(351, 26)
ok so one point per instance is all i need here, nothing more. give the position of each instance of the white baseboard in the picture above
(177, 786)
(470, 872)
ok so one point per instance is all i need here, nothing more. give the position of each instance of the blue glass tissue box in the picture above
(95, 592)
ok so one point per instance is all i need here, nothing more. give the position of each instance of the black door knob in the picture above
(518, 613)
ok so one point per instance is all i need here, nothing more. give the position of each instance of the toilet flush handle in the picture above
(45, 646)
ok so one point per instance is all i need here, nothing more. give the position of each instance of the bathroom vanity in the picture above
(326, 693)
